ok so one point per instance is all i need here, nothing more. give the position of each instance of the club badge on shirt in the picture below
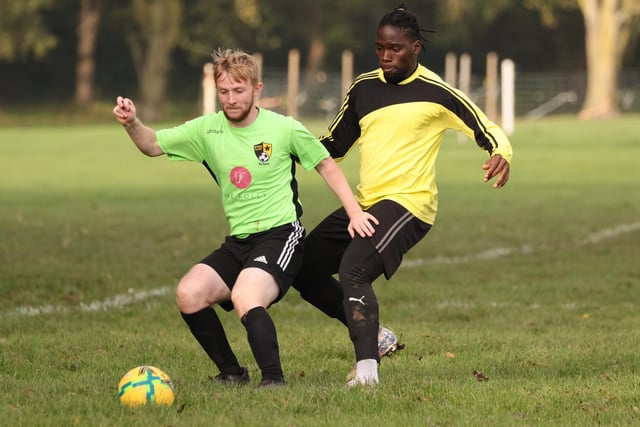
(263, 152)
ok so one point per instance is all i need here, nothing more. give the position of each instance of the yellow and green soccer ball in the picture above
(145, 385)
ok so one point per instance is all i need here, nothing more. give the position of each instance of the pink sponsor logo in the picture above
(240, 177)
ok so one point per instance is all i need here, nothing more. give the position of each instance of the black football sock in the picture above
(359, 268)
(361, 304)
(261, 334)
(208, 331)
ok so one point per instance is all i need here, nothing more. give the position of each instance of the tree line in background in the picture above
(80, 51)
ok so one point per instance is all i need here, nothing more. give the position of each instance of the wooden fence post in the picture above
(450, 69)
(491, 87)
(508, 95)
(347, 72)
(464, 82)
(293, 77)
(259, 61)
(208, 89)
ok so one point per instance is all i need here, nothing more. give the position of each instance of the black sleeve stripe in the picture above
(340, 114)
(345, 102)
(469, 115)
(345, 125)
(368, 94)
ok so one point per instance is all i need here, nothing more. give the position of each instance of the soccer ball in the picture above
(145, 385)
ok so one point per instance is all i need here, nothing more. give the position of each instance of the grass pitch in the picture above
(521, 306)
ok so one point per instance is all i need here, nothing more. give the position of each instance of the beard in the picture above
(240, 114)
(394, 78)
(399, 73)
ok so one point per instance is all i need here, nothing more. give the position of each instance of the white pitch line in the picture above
(133, 296)
(609, 233)
(117, 301)
(484, 255)
(593, 238)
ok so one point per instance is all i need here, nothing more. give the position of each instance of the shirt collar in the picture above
(408, 80)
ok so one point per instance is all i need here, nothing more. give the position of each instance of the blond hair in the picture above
(237, 64)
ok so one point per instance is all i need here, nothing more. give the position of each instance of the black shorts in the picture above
(398, 231)
(278, 251)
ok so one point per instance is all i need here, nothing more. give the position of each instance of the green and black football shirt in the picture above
(254, 165)
(398, 129)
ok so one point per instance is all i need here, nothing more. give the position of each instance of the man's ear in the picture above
(417, 46)
(258, 88)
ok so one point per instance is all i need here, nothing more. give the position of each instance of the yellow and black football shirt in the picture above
(398, 129)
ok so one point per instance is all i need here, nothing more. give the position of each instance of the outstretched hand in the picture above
(497, 166)
(125, 111)
(361, 223)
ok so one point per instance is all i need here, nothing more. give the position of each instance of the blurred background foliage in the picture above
(76, 53)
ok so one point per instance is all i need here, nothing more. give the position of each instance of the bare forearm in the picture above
(143, 137)
(360, 222)
(337, 182)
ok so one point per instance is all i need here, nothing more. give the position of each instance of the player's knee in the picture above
(192, 296)
(354, 275)
(186, 298)
(360, 265)
(244, 301)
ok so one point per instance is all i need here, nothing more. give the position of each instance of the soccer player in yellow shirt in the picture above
(397, 115)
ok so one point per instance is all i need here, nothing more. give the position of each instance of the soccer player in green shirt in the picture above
(251, 153)
(397, 116)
